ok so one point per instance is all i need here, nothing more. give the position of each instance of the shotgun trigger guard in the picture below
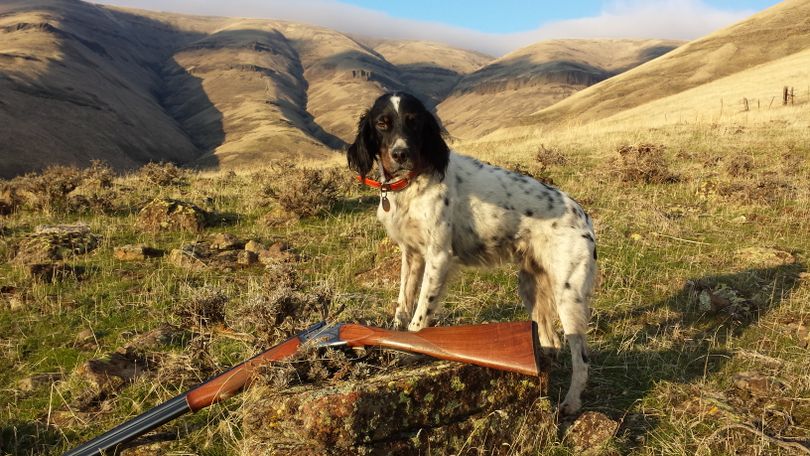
(328, 336)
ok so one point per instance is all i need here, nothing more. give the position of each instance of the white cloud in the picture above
(673, 19)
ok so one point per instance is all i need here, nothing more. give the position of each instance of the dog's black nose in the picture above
(399, 154)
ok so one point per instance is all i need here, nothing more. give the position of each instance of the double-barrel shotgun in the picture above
(504, 346)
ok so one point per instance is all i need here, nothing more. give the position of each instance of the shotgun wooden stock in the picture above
(505, 346)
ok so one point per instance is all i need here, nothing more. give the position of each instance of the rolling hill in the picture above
(765, 37)
(82, 81)
(536, 76)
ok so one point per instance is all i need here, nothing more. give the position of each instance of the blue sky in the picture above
(493, 27)
(508, 16)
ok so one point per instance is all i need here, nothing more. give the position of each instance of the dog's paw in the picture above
(401, 322)
(570, 407)
(417, 325)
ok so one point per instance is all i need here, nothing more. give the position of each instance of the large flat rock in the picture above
(443, 406)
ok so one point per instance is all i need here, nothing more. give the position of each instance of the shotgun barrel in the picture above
(505, 346)
(213, 390)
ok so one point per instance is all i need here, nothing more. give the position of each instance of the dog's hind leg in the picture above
(535, 291)
(572, 306)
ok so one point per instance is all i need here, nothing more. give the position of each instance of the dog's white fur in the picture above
(479, 214)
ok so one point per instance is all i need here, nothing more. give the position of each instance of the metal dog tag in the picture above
(386, 205)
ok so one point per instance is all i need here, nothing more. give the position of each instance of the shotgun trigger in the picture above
(328, 336)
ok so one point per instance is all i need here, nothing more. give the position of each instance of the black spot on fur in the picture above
(508, 195)
(446, 201)
(420, 318)
(594, 253)
(567, 286)
(431, 298)
(585, 357)
(459, 180)
(554, 225)
(429, 311)
(529, 213)
(588, 237)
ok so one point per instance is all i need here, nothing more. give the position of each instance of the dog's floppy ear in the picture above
(434, 150)
(366, 146)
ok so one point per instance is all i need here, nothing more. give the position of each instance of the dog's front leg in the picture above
(413, 266)
(437, 267)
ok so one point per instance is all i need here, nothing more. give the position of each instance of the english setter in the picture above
(443, 208)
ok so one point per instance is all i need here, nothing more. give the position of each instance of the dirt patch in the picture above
(763, 257)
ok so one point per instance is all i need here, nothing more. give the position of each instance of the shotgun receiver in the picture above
(505, 346)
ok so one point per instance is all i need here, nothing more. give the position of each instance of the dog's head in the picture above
(402, 134)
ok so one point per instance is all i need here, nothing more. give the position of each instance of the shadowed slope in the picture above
(78, 84)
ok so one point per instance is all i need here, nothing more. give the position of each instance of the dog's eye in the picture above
(382, 124)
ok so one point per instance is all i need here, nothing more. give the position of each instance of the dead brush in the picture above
(96, 192)
(204, 307)
(277, 306)
(306, 192)
(162, 174)
(48, 191)
(643, 163)
(548, 157)
(10, 198)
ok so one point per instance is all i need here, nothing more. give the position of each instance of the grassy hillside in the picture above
(536, 76)
(699, 330)
(770, 35)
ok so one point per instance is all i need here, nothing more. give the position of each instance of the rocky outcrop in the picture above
(440, 405)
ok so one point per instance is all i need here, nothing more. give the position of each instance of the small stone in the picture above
(741, 220)
(228, 256)
(247, 258)
(85, 335)
(29, 384)
(755, 384)
(254, 246)
(225, 241)
(186, 259)
(136, 252)
(590, 432)
(279, 252)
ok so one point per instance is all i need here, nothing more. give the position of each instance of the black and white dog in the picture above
(444, 209)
